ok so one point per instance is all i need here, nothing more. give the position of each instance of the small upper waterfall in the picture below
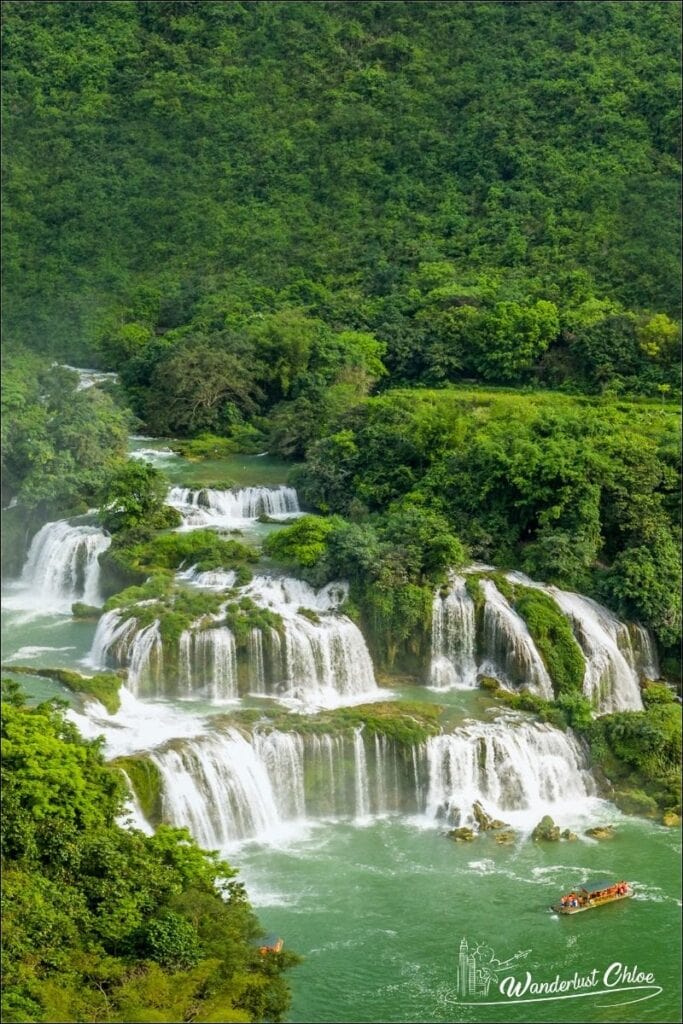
(453, 663)
(509, 652)
(62, 566)
(226, 787)
(210, 507)
(611, 680)
(615, 654)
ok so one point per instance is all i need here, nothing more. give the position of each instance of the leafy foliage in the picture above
(59, 444)
(105, 924)
(239, 204)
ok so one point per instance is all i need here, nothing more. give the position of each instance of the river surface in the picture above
(379, 907)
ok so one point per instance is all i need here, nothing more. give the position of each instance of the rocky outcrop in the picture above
(601, 832)
(546, 831)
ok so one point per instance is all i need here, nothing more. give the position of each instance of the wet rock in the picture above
(462, 835)
(671, 819)
(601, 832)
(485, 822)
(489, 683)
(569, 836)
(546, 831)
(505, 838)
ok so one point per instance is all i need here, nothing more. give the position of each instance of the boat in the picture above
(270, 944)
(595, 894)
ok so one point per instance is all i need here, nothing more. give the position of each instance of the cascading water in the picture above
(207, 663)
(614, 655)
(219, 788)
(121, 643)
(453, 661)
(611, 681)
(512, 766)
(509, 652)
(211, 507)
(62, 567)
(225, 787)
(321, 660)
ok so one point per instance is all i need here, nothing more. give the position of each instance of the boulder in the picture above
(505, 838)
(462, 835)
(485, 822)
(546, 830)
(570, 836)
(601, 832)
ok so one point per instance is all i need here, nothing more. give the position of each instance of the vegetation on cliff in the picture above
(105, 924)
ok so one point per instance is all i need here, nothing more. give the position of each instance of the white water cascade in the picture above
(62, 566)
(509, 652)
(122, 643)
(226, 787)
(316, 655)
(615, 654)
(517, 769)
(207, 663)
(210, 507)
(453, 662)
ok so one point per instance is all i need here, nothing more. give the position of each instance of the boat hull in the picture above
(591, 904)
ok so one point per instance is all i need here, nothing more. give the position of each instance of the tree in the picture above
(135, 496)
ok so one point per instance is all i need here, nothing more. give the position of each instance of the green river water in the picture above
(378, 910)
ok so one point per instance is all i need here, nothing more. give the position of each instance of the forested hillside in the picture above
(487, 189)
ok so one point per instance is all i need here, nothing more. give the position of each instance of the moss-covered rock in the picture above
(601, 832)
(505, 838)
(145, 779)
(489, 683)
(671, 819)
(636, 801)
(554, 639)
(85, 611)
(546, 831)
(462, 835)
(104, 686)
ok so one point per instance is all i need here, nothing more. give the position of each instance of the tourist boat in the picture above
(596, 894)
(271, 944)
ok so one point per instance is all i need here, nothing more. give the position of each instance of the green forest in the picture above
(428, 253)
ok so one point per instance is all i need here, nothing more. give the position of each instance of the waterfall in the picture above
(133, 816)
(219, 788)
(121, 643)
(614, 654)
(282, 754)
(646, 661)
(326, 660)
(226, 787)
(510, 765)
(207, 663)
(62, 566)
(285, 594)
(611, 681)
(319, 659)
(210, 507)
(257, 670)
(509, 651)
(211, 579)
(361, 776)
(453, 663)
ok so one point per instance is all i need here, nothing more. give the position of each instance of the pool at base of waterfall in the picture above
(379, 912)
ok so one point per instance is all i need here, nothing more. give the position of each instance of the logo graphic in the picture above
(479, 967)
(483, 979)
